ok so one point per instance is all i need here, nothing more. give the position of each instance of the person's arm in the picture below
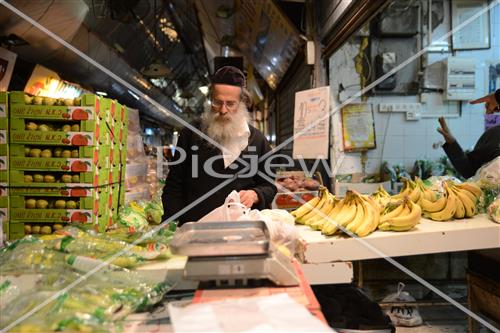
(173, 197)
(458, 158)
(491, 102)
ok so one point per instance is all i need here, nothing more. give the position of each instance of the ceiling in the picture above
(165, 49)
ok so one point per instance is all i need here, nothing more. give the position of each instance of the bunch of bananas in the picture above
(400, 215)
(355, 213)
(415, 190)
(381, 196)
(315, 208)
(458, 201)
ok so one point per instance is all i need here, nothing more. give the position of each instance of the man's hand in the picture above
(445, 131)
(491, 104)
(248, 198)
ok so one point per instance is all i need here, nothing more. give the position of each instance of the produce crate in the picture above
(81, 133)
(124, 115)
(115, 175)
(76, 191)
(19, 230)
(96, 204)
(92, 179)
(19, 107)
(61, 157)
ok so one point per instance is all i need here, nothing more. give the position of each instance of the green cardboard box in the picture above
(90, 179)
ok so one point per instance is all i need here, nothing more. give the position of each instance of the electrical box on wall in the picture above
(384, 63)
(460, 78)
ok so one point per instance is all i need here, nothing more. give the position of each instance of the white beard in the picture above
(222, 129)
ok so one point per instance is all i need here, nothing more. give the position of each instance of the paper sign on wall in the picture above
(358, 127)
(311, 123)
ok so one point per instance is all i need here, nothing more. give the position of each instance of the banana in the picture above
(471, 187)
(469, 194)
(432, 207)
(469, 205)
(323, 212)
(358, 219)
(307, 207)
(412, 218)
(330, 218)
(415, 194)
(323, 199)
(345, 215)
(460, 211)
(377, 210)
(329, 228)
(368, 226)
(448, 211)
(394, 212)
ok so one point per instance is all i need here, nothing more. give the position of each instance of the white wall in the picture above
(401, 141)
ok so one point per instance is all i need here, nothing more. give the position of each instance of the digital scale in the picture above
(232, 254)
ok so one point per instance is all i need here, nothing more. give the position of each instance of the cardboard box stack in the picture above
(4, 160)
(66, 161)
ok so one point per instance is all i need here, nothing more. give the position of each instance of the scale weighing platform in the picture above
(232, 254)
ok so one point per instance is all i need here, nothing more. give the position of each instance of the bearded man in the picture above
(199, 166)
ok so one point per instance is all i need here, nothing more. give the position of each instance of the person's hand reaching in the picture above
(248, 198)
(490, 105)
(445, 131)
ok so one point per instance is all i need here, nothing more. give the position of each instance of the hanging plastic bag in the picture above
(404, 314)
(231, 210)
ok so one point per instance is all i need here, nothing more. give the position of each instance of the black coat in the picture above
(182, 188)
(487, 148)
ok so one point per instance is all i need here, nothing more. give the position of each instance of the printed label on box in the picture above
(64, 215)
(3, 110)
(70, 164)
(63, 138)
(53, 112)
(72, 191)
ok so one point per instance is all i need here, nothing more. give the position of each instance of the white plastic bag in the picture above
(405, 314)
(281, 232)
(231, 210)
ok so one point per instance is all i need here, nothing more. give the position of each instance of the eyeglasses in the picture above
(230, 105)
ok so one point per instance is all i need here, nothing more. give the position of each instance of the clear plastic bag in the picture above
(404, 314)
(283, 234)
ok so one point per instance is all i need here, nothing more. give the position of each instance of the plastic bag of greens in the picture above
(133, 216)
(154, 211)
